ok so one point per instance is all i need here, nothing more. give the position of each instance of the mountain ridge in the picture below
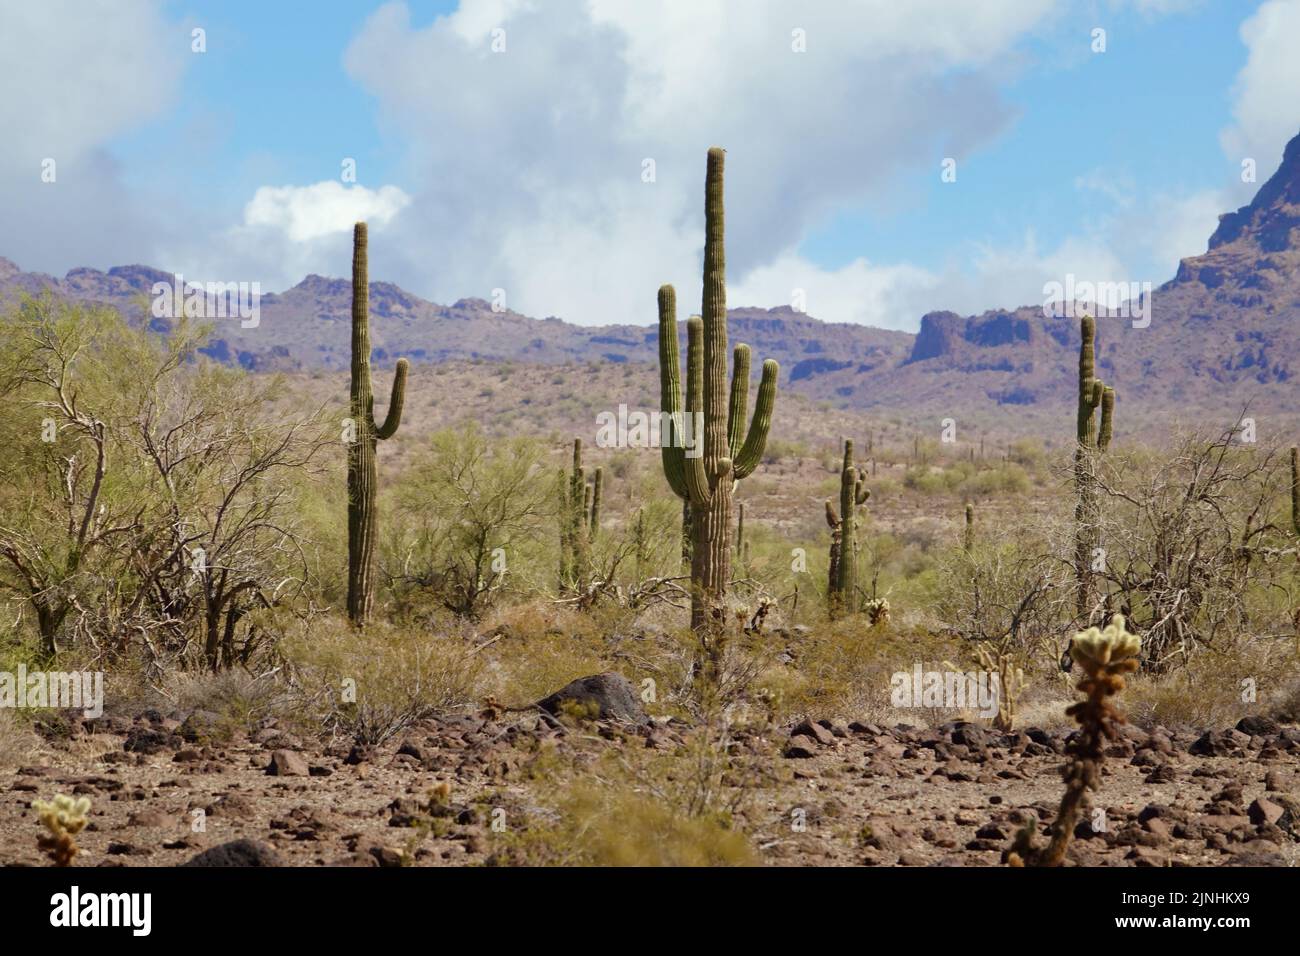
(1223, 331)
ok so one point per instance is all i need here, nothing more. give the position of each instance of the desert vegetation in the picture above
(225, 548)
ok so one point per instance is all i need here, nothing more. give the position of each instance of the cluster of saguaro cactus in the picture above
(579, 519)
(723, 451)
(842, 583)
(1093, 433)
(364, 434)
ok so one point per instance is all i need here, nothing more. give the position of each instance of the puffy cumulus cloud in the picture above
(1266, 94)
(288, 232)
(77, 75)
(305, 213)
(529, 164)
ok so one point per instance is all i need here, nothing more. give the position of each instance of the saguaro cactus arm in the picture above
(1107, 416)
(751, 452)
(395, 402)
(670, 393)
(697, 478)
(738, 407)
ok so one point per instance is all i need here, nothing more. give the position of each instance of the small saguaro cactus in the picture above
(842, 586)
(579, 519)
(1094, 422)
(1295, 489)
(969, 540)
(723, 450)
(63, 818)
(740, 530)
(363, 476)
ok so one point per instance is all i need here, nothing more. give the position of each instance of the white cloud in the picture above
(530, 161)
(1266, 94)
(77, 75)
(304, 213)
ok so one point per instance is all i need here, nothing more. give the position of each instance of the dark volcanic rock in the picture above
(237, 853)
(610, 695)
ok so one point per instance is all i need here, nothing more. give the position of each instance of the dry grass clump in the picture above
(1214, 689)
(667, 810)
(371, 687)
(17, 740)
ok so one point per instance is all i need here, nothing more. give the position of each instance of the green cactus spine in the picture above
(711, 418)
(579, 519)
(843, 574)
(1093, 430)
(362, 471)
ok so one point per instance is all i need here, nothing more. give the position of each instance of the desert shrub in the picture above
(610, 816)
(372, 688)
(18, 742)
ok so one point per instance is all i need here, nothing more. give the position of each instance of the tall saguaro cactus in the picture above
(842, 586)
(1094, 422)
(1295, 489)
(723, 451)
(363, 479)
(579, 519)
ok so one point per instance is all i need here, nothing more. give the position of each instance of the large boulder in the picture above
(237, 853)
(607, 696)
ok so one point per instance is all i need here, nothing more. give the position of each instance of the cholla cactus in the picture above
(64, 817)
(877, 612)
(1105, 655)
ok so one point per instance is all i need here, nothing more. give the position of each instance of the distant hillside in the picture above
(1225, 331)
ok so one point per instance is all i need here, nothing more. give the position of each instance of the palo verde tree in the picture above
(723, 452)
(363, 477)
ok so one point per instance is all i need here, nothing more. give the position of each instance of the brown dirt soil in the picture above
(818, 793)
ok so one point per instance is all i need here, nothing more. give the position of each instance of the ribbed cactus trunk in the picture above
(725, 451)
(842, 596)
(579, 520)
(363, 477)
(1094, 421)
(1295, 489)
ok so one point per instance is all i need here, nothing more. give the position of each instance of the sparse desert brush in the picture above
(63, 817)
(1211, 689)
(17, 739)
(845, 668)
(616, 825)
(236, 699)
(373, 688)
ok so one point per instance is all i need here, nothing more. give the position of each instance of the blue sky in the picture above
(521, 171)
